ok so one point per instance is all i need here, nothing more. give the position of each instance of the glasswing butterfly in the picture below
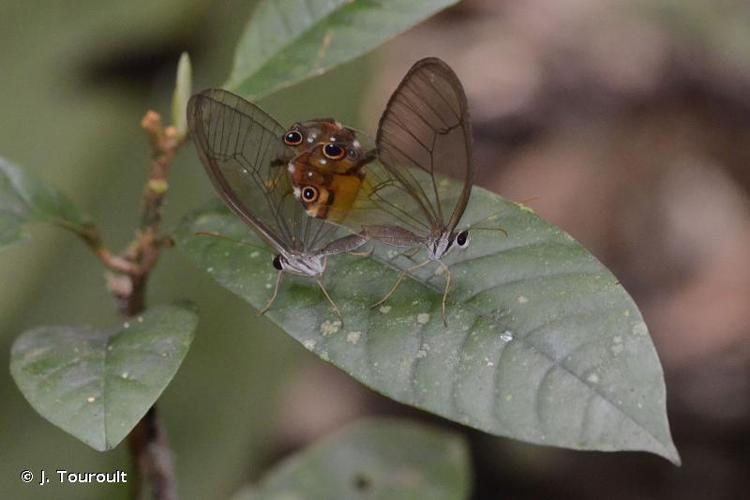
(423, 139)
(248, 155)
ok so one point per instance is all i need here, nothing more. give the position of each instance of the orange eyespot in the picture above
(334, 151)
(293, 138)
(309, 194)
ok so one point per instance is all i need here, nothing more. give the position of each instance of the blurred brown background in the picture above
(625, 123)
(628, 125)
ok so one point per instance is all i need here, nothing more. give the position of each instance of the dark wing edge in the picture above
(208, 113)
(423, 114)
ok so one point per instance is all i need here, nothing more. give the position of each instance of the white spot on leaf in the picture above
(640, 329)
(423, 318)
(353, 337)
(330, 327)
(309, 344)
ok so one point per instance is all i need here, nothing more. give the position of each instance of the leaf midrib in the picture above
(553, 363)
(593, 389)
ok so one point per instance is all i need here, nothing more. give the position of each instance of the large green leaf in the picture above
(287, 41)
(25, 199)
(97, 384)
(543, 344)
(378, 459)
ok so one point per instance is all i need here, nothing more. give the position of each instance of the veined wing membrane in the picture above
(244, 156)
(424, 135)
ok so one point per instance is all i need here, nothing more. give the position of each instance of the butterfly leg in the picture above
(445, 291)
(366, 253)
(400, 278)
(273, 297)
(333, 304)
(409, 254)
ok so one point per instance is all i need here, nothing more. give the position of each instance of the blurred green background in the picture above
(626, 126)
(76, 80)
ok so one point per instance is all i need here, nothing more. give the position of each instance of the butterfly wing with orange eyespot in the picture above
(242, 150)
(327, 176)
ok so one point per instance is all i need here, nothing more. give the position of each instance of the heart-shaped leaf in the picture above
(386, 459)
(97, 384)
(25, 199)
(543, 344)
(287, 41)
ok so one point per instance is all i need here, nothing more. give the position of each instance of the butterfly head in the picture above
(300, 264)
(445, 242)
(462, 239)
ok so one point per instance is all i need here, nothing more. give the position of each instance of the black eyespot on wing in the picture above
(241, 148)
(293, 138)
(333, 151)
(277, 262)
(462, 239)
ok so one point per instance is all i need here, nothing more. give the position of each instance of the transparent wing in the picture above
(241, 148)
(424, 138)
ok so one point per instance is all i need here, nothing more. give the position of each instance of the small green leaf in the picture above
(183, 89)
(25, 199)
(97, 384)
(377, 459)
(288, 41)
(543, 344)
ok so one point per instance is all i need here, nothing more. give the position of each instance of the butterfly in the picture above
(247, 155)
(423, 140)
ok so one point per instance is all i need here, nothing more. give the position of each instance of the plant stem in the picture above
(126, 281)
(147, 442)
(152, 458)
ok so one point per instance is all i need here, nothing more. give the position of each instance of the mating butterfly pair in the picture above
(296, 187)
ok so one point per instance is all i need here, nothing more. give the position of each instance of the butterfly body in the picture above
(301, 264)
(438, 246)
